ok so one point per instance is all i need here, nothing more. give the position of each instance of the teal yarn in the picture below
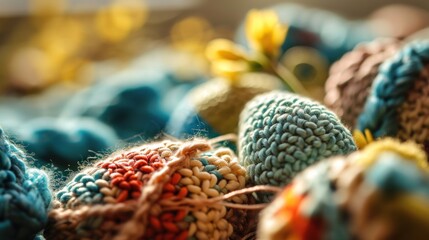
(282, 133)
(389, 89)
(24, 194)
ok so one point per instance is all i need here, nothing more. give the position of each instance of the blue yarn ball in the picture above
(66, 143)
(129, 102)
(24, 194)
(281, 134)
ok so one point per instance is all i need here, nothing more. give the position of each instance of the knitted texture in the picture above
(24, 194)
(372, 194)
(214, 107)
(163, 190)
(281, 134)
(349, 83)
(397, 103)
(64, 144)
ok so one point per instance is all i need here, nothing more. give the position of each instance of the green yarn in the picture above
(282, 133)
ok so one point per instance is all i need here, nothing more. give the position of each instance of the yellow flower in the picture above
(265, 32)
(223, 49)
(227, 59)
(230, 70)
(362, 139)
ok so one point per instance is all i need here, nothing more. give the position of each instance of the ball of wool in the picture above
(24, 194)
(129, 102)
(64, 144)
(398, 104)
(350, 78)
(213, 108)
(161, 190)
(282, 133)
(379, 193)
(330, 34)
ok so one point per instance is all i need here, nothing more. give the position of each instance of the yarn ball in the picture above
(282, 133)
(213, 108)
(161, 190)
(350, 79)
(64, 144)
(398, 104)
(24, 194)
(129, 102)
(379, 193)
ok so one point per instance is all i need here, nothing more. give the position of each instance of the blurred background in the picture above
(80, 78)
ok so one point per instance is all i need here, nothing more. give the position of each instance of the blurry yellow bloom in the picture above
(191, 34)
(114, 23)
(265, 32)
(409, 151)
(223, 49)
(230, 70)
(362, 139)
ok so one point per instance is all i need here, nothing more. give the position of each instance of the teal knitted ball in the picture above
(24, 194)
(282, 133)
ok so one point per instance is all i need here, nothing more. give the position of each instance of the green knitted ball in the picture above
(282, 133)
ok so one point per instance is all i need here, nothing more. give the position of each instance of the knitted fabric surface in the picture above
(349, 83)
(63, 145)
(398, 104)
(162, 190)
(309, 27)
(282, 133)
(214, 107)
(24, 194)
(129, 102)
(379, 193)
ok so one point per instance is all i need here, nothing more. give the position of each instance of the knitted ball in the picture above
(349, 83)
(398, 104)
(281, 134)
(213, 108)
(64, 144)
(129, 102)
(162, 190)
(379, 193)
(24, 194)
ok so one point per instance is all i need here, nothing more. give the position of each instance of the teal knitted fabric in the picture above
(389, 90)
(282, 133)
(24, 194)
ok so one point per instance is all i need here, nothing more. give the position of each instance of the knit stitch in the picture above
(24, 194)
(378, 193)
(395, 86)
(281, 134)
(162, 190)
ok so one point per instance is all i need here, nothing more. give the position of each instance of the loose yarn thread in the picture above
(167, 189)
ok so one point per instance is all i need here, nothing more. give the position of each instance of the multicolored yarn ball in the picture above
(161, 190)
(24, 194)
(129, 102)
(398, 104)
(213, 108)
(381, 192)
(282, 133)
(350, 80)
(64, 144)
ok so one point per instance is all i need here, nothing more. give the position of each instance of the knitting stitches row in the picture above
(389, 90)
